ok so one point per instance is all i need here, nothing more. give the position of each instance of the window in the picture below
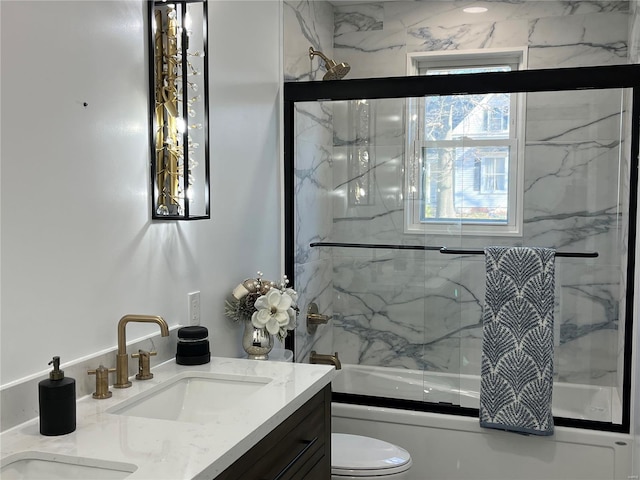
(496, 119)
(465, 151)
(493, 175)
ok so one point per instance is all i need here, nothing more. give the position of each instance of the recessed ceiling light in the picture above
(474, 9)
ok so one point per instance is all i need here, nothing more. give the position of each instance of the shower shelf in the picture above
(450, 251)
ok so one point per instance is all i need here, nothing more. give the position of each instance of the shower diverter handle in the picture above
(317, 319)
(314, 318)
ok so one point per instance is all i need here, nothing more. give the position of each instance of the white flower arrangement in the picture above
(266, 304)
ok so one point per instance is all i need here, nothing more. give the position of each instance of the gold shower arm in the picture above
(334, 71)
(313, 52)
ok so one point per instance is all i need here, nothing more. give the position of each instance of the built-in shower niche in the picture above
(406, 318)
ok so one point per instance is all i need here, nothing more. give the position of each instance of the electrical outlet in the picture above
(194, 308)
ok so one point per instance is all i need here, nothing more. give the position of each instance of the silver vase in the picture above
(257, 342)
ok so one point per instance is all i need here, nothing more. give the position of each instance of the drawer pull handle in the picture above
(297, 457)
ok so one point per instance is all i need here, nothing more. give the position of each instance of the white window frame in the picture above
(417, 62)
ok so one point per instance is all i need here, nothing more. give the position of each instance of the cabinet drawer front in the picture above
(303, 455)
(289, 450)
(296, 447)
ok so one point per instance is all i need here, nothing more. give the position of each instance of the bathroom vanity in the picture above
(299, 448)
(228, 419)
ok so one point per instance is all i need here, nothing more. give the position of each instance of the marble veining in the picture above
(306, 23)
(357, 18)
(423, 309)
(464, 36)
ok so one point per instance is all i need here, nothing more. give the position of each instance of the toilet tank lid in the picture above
(356, 452)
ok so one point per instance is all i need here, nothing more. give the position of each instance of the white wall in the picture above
(78, 249)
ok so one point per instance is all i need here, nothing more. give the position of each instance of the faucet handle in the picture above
(102, 382)
(314, 318)
(144, 364)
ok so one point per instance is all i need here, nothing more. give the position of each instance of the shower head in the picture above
(335, 71)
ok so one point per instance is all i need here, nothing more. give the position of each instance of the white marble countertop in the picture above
(164, 449)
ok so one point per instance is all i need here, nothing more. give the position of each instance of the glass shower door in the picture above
(357, 259)
(369, 222)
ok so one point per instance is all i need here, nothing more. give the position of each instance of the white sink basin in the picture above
(41, 466)
(196, 397)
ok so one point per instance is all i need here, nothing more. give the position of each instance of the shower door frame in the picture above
(526, 81)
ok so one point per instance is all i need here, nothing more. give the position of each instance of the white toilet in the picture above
(354, 457)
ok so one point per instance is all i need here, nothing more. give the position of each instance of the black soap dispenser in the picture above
(57, 399)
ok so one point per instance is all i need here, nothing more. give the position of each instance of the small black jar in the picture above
(193, 346)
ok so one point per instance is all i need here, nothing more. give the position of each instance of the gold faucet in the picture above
(122, 359)
(325, 359)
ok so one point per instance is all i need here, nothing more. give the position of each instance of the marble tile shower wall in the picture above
(634, 31)
(423, 311)
(310, 23)
(374, 38)
(383, 297)
(420, 310)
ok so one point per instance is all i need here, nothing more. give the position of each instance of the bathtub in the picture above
(447, 447)
(585, 402)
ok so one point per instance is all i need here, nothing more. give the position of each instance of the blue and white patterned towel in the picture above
(516, 382)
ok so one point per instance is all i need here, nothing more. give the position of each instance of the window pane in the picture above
(475, 117)
(469, 184)
(471, 116)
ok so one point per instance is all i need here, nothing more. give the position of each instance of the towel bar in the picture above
(462, 251)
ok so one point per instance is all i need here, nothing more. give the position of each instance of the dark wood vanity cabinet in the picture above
(298, 449)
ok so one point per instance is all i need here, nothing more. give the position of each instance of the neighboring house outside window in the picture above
(465, 158)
